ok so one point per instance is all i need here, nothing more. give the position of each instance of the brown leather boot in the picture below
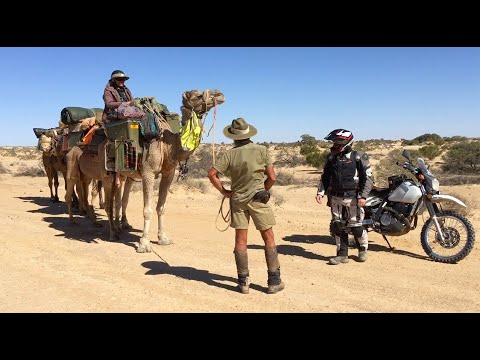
(274, 282)
(241, 260)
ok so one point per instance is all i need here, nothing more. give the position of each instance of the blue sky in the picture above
(376, 92)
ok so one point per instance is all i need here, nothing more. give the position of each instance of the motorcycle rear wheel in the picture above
(458, 233)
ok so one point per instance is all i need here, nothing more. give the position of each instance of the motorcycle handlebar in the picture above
(408, 166)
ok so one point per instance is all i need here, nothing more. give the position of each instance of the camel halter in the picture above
(227, 218)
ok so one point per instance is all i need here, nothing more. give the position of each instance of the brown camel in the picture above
(50, 163)
(163, 155)
(82, 168)
(160, 156)
(53, 162)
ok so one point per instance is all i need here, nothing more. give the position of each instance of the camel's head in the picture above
(45, 143)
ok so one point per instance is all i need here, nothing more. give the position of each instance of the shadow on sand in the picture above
(372, 246)
(189, 273)
(83, 230)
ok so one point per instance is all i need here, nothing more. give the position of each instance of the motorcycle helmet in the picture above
(342, 140)
(119, 74)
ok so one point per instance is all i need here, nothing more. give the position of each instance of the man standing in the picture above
(250, 169)
(348, 178)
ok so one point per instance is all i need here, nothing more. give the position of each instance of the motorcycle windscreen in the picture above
(406, 193)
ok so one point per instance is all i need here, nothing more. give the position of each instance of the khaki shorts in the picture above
(261, 214)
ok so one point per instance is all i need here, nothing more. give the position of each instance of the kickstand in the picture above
(391, 248)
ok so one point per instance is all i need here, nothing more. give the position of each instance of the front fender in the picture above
(443, 197)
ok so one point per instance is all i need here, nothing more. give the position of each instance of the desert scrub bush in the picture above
(30, 156)
(288, 157)
(317, 159)
(196, 184)
(278, 199)
(285, 178)
(3, 169)
(388, 166)
(463, 157)
(430, 151)
(24, 170)
(457, 179)
(201, 161)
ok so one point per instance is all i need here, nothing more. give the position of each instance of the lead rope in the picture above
(226, 217)
(212, 128)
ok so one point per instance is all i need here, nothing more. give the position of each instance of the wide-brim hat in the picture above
(239, 130)
(119, 75)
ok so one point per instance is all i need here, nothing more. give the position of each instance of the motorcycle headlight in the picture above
(435, 185)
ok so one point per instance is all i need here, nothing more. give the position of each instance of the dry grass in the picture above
(3, 169)
(25, 170)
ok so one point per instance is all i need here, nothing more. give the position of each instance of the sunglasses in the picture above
(120, 79)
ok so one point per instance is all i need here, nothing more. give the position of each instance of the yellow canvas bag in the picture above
(191, 133)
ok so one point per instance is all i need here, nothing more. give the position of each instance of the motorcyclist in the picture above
(348, 178)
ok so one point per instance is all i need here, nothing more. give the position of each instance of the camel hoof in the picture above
(127, 226)
(165, 242)
(144, 248)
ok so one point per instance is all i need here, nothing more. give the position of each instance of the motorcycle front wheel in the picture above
(458, 237)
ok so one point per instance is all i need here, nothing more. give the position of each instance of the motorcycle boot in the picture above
(362, 254)
(275, 283)
(241, 260)
(342, 253)
(361, 238)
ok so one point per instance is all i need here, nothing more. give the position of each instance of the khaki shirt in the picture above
(245, 166)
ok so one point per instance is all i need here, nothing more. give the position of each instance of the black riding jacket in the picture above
(347, 177)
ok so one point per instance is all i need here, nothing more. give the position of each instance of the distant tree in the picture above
(317, 159)
(429, 137)
(409, 142)
(308, 140)
(455, 138)
(463, 157)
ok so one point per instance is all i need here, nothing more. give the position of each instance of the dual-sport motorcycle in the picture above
(446, 236)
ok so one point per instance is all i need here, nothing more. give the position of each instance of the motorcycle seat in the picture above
(379, 192)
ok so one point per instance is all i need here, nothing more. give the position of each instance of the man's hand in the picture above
(319, 198)
(361, 202)
(227, 193)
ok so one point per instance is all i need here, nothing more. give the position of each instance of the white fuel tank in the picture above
(406, 193)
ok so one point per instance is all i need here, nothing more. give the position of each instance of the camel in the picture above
(82, 168)
(53, 163)
(50, 163)
(163, 155)
(160, 156)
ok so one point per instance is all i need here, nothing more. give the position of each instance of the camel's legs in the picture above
(126, 195)
(165, 183)
(118, 204)
(147, 183)
(52, 176)
(68, 198)
(97, 191)
(75, 203)
(110, 190)
(101, 202)
(55, 184)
